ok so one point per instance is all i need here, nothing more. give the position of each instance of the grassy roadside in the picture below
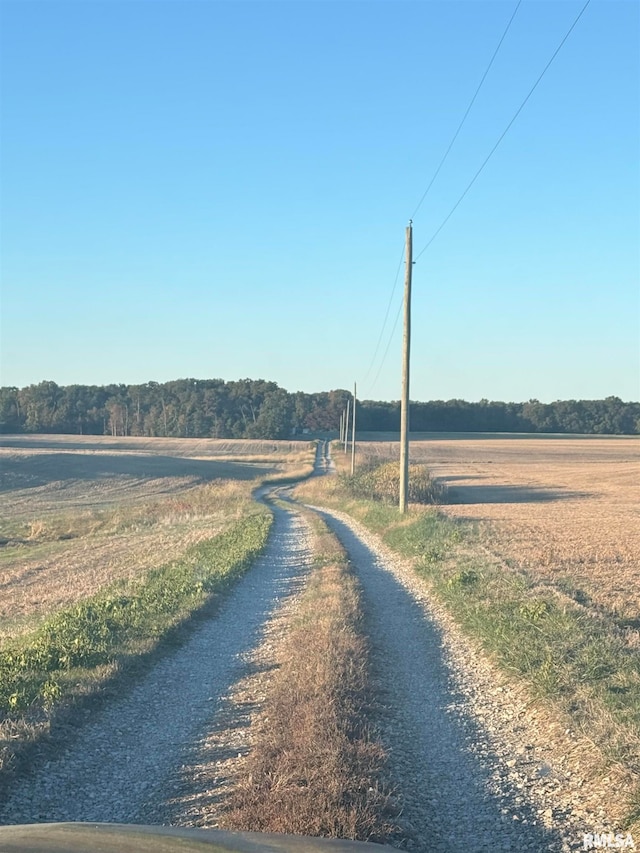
(315, 766)
(579, 665)
(123, 618)
(62, 558)
(301, 472)
(78, 650)
(63, 539)
(97, 587)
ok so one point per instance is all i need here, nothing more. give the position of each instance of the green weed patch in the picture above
(124, 617)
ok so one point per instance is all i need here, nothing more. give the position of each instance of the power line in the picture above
(426, 192)
(464, 117)
(386, 352)
(386, 316)
(473, 180)
(504, 133)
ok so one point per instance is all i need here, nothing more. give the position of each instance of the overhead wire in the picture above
(475, 177)
(426, 192)
(384, 357)
(504, 133)
(386, 317)
(468, 110)
(424, 195)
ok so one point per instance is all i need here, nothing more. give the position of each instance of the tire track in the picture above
(456, 792)
(118, 769)
(134, 762)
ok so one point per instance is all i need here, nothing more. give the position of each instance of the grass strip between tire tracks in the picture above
(315, 765)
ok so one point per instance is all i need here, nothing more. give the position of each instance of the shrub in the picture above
(381, 482)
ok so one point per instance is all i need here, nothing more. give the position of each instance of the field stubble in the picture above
(108, 547)
(565, 510)
(80, 512)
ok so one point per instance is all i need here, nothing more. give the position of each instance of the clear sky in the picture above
(221, 189)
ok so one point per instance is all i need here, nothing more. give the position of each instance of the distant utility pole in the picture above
(346, 428)
(353, 434)
(404, 400)
(341, 420)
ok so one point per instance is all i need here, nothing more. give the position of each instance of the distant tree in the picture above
(275, 417)
(42, 406)
(11, 419)
(258, 408)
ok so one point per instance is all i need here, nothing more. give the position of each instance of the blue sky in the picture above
(221, 189)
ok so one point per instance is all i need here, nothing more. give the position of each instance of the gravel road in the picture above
(469, 772)
(117, 768)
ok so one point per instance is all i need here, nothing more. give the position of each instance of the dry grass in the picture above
(43, 574)
(44, 474)
(314, 768)
(563, 509)
(80, 512)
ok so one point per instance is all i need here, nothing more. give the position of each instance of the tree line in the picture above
(248, 408)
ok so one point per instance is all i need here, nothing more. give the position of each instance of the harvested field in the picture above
(44, 473)
(565, 509)
(77, 512)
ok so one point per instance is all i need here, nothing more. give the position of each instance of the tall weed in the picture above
(380, 481)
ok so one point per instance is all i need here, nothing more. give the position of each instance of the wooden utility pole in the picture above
(346, 428)
(353, 434)
(406, 350)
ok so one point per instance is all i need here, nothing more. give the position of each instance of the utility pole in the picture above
(353, 434)
(346, 428)
(406, 349)
(341, 420)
